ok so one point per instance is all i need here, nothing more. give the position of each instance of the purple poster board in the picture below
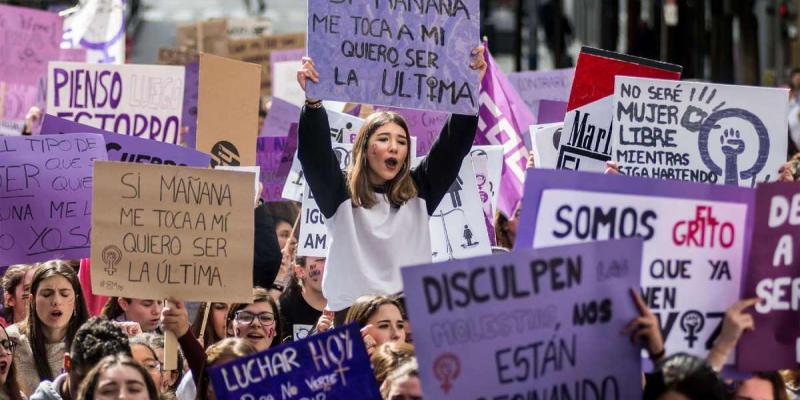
(551, 111)
(535, 86)
(772, 275)
(280, 116)
(274, 155)
(28, 40)
(129, 148)
(696, 239)
(396, 54)
(46, 196)
(424, 125)
(330, 365)
(189, 115)
(471, 341)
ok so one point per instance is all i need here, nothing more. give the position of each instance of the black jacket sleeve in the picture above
(439, 169)
(320, 166)
(267, 254)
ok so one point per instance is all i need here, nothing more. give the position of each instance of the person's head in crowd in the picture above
(387, 357)
(144, 354)
(118, 377)
(762, 386)
(96, 339)
(259, 322)
(215, 324)
(169, 379)
(8, 372)
(308, 273)
(685, 377)
(381, 158)
(403, 382)
(16, 291)
(794, 80)
(283, 229)
(144, 312)
(56, 311)
(220, 353)
(506, 228)
(382, 316)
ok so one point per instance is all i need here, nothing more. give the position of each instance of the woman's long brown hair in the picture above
(398, 190)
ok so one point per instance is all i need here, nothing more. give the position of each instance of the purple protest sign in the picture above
(773, 275)
(46, 196)
(189, 115)
(280, 116)
(403, 54)
(551, 111)
(528, 324)
(696, 238)
(128, 148)
(535, 86)
(74, 55)
(28, 40)
(424, 125)
(274, 155)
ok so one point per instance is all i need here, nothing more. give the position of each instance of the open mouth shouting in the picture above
(392, 164)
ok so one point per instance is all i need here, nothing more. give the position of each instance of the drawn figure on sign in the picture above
(343, 156)
(733, 145)
(448, 245)
(455, 192)
(338, 134)
(692, 323)
(695, 115)
(111, 256)
(468, 238)
(446, 368)
(224, 153)
(6, 241)
(101, 36)
(481, 180)
(29, 58)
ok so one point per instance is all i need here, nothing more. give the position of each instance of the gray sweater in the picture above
(23, 359)
(49, 390)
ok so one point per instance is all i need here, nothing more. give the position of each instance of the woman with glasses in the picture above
(257, 323)
(8, 373)
(145, 355)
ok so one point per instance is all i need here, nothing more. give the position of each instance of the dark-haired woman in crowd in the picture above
(381, 319)
(56, 312)
(16, 292)
(303, 302)
(215, 327)
(9, 385)
(118, 377)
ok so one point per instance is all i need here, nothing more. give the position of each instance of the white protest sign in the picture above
(545, 140)
(136, 100)
(691, 246)
(99, 27)
(313, 240)
(493, 156)
(699, 132)
(457, 227)
(344, 128)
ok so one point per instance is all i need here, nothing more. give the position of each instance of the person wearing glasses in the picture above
(145, 355)
(8, 373)
(257, 323)
(94, 340)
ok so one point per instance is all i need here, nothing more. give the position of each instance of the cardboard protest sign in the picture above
(489, 183)
(586, 142)
(172, 231)
(258, 51)
(284, 65)
(135, 100)
(314, 240)
(535, 86)
(402, 54)
(46, 196)
(773, 274)
(98, 26)
(171, 56)
(699, 132)
(280, 116)
(330, 365)
(227, 110)
(128, 148)
(204, 36)
(457, 225)
(274, 155)
(545, 139)
(28, 40)
(695, 240)
(536, 322)
(248, 27)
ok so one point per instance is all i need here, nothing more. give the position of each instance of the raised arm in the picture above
(314, 150)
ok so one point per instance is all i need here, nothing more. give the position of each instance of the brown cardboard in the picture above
(170, 56)
(204, 253)
(227, 110)
(259, 49)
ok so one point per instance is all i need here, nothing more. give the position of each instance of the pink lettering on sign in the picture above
(704, 231)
